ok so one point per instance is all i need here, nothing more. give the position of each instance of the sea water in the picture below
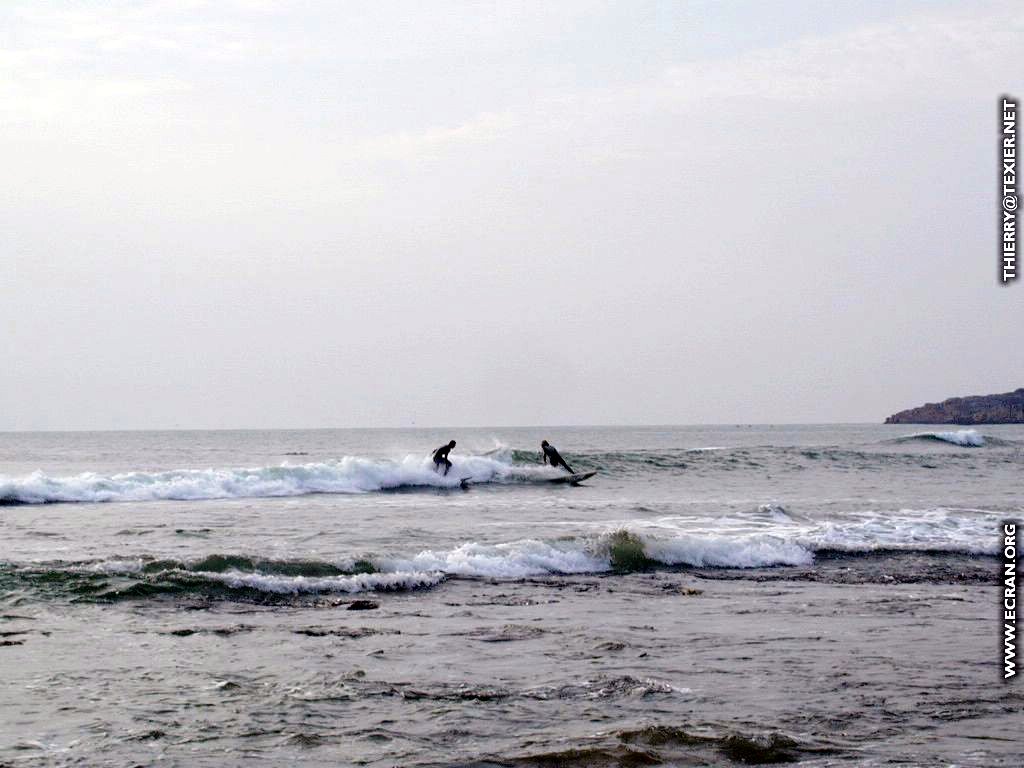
(184, 596)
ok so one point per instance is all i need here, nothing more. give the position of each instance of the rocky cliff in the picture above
(1007, 408)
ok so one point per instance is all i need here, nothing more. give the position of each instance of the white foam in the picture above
(286, 585)
(930, 530)
(514, 560)
(351, 474)
(529, 557)
(755, 538)
(969, 438)
(737, 551)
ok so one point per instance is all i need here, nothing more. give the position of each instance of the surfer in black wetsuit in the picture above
(553, 457)
(441, 457)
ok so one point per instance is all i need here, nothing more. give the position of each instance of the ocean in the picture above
(715, 595)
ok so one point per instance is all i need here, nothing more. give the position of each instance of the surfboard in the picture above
(571, 479)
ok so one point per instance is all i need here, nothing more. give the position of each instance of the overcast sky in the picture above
(284, 214)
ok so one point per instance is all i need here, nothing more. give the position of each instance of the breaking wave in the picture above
(349, 475)
(636, 546)
(966, 438)
(503, 464)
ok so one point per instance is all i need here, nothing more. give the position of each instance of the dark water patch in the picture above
(589, 757)
(603, 688)
(506, 634)
(661, 735)
(459, 693)
(49, 582)
(351, 633)
(362, 605)
(306, 740)
(180, 585)
(671, 745)
(668, 745)
(215, 631)
(759, 750)
(611, 688)
(212, 564)
(219, 563)
(223, 563)
(138, 590)
(9, 500)
(13, 632)
(154, 734)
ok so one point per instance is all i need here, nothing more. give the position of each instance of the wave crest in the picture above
(966, 438)
(351, 474)
(754, 540)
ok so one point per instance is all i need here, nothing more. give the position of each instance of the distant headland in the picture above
(1007, 408)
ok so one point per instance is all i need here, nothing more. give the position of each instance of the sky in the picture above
(258, 214)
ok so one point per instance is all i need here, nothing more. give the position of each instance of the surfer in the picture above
(441, 457)
(553, 457)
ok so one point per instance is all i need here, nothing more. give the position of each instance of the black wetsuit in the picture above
(553, 457)
(441, 457)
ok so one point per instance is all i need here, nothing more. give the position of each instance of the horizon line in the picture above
(647, 425)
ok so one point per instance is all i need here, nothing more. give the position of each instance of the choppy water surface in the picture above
(714, 595)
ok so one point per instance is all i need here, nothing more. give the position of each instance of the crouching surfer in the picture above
(441, 457)
(553, 457)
